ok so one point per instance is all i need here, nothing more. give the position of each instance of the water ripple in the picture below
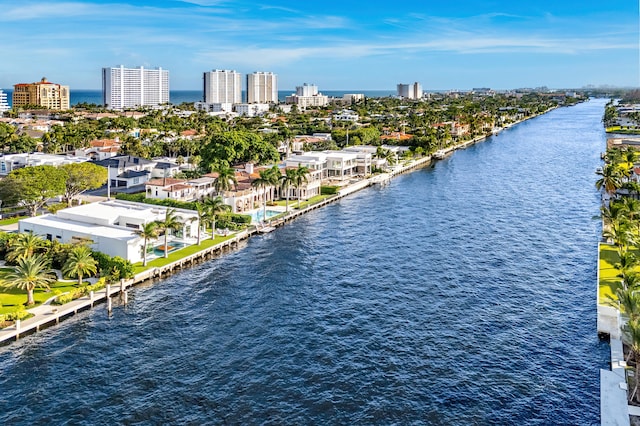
(459, 294)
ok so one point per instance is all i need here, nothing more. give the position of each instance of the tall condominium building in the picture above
(133, 87)
(4, 106)
(307, 95)
(410, 91)
(222, 86)
(262, 88)
(43, 93)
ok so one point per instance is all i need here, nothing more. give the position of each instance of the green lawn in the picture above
(618, 129)
(182, 253)
(11, 220)
(12, 299)
(609, 282)
(293, 203)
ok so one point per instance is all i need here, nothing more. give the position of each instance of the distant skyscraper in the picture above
(410, 91)
(43, 93)
(262, 88)
(4, 106)
(132, 87)
(307, 95)
(307, 90)
(222, 86)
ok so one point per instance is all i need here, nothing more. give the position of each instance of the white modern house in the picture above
(11, 162)
(110, 227)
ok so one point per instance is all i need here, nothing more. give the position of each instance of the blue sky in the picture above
(337, 45)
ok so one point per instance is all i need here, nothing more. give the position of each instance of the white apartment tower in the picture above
(222, 86)
(307, 95)
(307, 90)
(262, 88)
(410, 91)
(132, 87)
(4, 105)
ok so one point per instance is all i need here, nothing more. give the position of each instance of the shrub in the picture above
(20, 314)
(329, 190)
(233, 221)
(63, 298)
(115, 267)
(140, 198)
(99, 285)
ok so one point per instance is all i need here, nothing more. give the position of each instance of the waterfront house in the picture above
(9, 162)
(100, 149)
(126, 171)
(110, 227)
(169, 189)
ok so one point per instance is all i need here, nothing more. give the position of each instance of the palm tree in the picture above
(80, 263)
(170, 223)
(390, 157)
(30, 273)
(201, 209)
(610, 179)
(614, 211)
(24, 245)
(226, 178)
(286, 181)
(632, 330)
(618, 231)
(148, 231)
(262, 182)
(274, 175)
(300, 178)
(215, 206)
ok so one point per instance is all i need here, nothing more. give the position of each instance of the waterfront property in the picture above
(110, 227)
(11, 162)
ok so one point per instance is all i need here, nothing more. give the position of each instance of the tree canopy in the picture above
(32, 186)
(82, 177)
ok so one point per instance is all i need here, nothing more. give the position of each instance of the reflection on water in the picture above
(459, 294)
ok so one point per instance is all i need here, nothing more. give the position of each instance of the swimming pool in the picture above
(257, 215)
(173, 246)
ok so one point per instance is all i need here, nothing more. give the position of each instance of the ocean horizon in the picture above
(177, 97)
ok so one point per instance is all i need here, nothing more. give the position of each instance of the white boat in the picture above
(439, 154)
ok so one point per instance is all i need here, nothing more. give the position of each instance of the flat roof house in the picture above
(110, 227)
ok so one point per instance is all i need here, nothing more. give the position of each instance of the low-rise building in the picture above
(111, 227)
(126, 171)
(11, 162)
(251, 110)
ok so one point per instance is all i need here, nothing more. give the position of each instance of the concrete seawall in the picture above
(47, 315)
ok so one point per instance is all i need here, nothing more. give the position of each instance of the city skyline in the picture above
(356, 46)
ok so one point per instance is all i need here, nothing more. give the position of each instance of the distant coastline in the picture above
(177, 97)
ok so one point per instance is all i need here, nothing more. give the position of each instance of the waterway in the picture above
(458, 294)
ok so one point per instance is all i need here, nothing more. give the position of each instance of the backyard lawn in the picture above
(181, 253)
(609, 281)
(293, 203)
(12, 298)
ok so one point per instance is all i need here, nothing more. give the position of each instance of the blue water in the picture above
(177, 97)
(462, 294)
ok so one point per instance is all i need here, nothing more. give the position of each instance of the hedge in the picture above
(329, 190)
(140, 198)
